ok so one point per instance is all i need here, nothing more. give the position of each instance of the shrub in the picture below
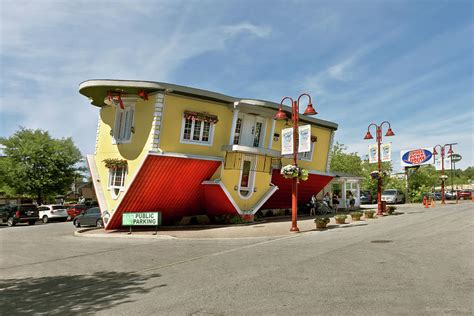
(356, 215)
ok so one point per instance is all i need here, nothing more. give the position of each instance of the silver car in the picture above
(393, 196)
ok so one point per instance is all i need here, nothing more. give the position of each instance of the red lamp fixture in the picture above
(390, 132)
(281, 115)
(310, 110)
(368, 135)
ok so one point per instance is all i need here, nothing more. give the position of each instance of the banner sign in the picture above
(304, 138)
(287, 141)
(141, 219)
(447, 163)
(386, 152)
(373, 153)
(416, 157)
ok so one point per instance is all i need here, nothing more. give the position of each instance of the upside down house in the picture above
(183, 151)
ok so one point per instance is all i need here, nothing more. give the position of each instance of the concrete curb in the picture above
(81, 233)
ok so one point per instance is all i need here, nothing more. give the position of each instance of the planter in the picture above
(340, 219)
(391, 209)
(369, 214)
(356, 216)
(322, 222)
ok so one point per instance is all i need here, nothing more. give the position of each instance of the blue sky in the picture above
(408, 62)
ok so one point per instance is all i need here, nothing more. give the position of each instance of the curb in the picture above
(81, 233)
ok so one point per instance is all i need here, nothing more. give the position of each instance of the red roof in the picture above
(282, 197)
(170, 185)
(216, 200)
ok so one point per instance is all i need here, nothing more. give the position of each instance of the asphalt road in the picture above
(417, 263)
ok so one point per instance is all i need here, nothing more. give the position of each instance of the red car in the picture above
(464, 194)
(75, 209)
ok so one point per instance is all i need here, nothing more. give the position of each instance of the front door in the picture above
(251, 133)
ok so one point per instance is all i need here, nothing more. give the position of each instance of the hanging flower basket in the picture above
(114, 163)
(291, 171)
(375, 175)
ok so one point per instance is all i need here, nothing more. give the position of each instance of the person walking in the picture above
(312, 202)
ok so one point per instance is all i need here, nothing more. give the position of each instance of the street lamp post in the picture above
(378, 133)
(443, 178)
(281, 115)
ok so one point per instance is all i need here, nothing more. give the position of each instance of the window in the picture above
(123, 124)
(117, 180)
(247, 177)
(197, 130)
(257, 134)
(308, 156)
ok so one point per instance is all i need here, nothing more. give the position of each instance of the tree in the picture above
(38, 165)
(345, 162)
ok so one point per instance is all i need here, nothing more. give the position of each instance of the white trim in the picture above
(188, 156)
(331, 142)
(113, 188)
(226, 193)
(251, 179)
(97, 184)
(197, 142)
(265, 198)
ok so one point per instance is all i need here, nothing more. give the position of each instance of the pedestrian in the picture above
(312, 204)
(327, 199)
(335, 201)
(351, 201)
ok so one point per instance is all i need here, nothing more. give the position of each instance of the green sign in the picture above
(456, 157)
(141, 219)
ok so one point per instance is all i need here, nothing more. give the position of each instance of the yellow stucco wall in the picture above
(134, 152)
(172, 122)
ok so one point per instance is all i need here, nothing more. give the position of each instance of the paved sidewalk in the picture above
(268, 228)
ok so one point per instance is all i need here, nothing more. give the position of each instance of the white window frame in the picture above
(303, 156)
(126, 126)
(115, 190)
(251, 180)
(197, 142)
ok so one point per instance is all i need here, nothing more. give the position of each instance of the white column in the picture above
(357, 193)
(235, 116)
(344, 204)
(270, 137)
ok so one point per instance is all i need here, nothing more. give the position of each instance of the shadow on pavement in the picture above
(71, 294)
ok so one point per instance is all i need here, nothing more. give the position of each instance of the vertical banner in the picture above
(304, 138)
(447, 163)
(386, 154)
(373, 153)
(287, 141)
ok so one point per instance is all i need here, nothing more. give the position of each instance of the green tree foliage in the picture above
(38, 165)
(345, 162)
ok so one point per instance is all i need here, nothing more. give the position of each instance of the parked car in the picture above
(13, 214)
(74, 210)
(437, 196)
(393, 196)
(450, 195)
(464, 194)
(89, 217)
(51, 212)
(367, 198)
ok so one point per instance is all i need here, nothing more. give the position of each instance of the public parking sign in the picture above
(141, 219)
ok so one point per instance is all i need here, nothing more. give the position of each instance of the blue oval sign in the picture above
(417, 156)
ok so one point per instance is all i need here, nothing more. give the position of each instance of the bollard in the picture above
(425, 202)
(432, 202)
